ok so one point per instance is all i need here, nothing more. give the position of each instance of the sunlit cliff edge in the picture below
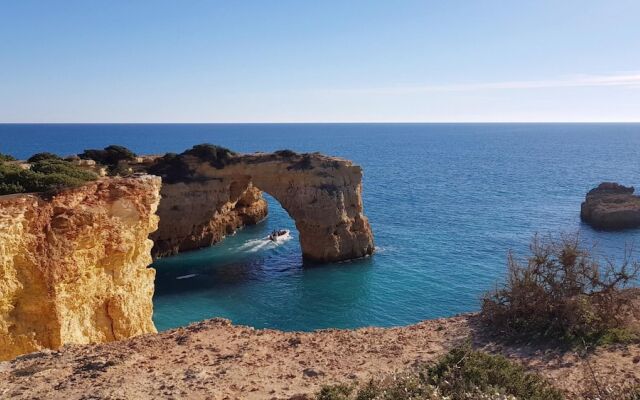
(73, 267)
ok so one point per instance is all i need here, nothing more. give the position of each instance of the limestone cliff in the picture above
(73, 267)
(199, 214)
(207, 194)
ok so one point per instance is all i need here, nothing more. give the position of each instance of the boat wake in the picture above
(186, 276)
(255, 245)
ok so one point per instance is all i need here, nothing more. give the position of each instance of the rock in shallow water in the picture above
(611, 206)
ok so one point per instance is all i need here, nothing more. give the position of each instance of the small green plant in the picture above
(6, 157)
(217, 156)
(461, 374)
(43, 176)
(61, 167)
(109, 156)
(286, 153)
(175, 167)
(464, 370)
(335, 392)
(562, 292)
(43, 156)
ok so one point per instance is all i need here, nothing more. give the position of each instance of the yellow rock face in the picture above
(199, 214)
(323, 195)
(74, 267)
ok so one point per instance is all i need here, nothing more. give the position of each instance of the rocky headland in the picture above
(74, 261)
(611, 206)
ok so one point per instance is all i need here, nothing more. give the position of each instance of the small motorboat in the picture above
(278, 234)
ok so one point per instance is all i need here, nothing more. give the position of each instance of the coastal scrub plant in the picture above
(463, 373)
(113, 157)
(174, 167)
(210, 152)
(43, 156)
(47, 175)
(6, 157)
(563, 292)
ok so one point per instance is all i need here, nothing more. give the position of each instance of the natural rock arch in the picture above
(204, 199)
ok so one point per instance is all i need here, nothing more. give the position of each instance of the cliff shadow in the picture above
(246, 256)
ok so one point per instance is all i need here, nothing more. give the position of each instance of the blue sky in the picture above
(319, 61)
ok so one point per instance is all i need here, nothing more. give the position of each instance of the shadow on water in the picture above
(246, 256)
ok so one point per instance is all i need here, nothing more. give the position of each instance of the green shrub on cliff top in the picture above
(61, 167)
(43, 156)
(174, 167)
(464, 370)
(6, 157)
(43, 176)
(210, 152)
(461, 374)
(109, 156)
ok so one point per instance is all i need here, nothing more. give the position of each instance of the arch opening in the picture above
(321, 194)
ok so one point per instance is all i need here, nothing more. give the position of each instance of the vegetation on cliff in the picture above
(111, 156)
(43, 156)
(461, 374)
(6, 157)
(174, 167)
(45, 175)
(563, 292)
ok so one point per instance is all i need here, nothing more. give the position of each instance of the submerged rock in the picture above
(611, 206)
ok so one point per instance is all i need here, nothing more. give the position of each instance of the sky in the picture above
(319, 61)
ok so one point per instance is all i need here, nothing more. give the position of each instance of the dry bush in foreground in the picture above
(563, 292)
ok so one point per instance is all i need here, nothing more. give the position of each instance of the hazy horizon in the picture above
(330, 62)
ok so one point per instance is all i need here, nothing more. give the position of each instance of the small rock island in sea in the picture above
(611, 206)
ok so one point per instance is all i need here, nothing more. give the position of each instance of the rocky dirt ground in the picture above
(216, 360)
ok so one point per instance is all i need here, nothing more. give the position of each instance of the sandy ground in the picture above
(216, 360)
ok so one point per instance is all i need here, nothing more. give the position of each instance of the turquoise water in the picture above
(446, 202)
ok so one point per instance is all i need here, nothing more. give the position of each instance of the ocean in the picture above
(446, 203)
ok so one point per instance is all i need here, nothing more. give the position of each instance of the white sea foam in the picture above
(187, 276)
(255, 245)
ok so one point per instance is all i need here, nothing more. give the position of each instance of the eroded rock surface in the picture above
(216, 360)
(73, 267)
(200, 214)
(611, 206)
(205, 196)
